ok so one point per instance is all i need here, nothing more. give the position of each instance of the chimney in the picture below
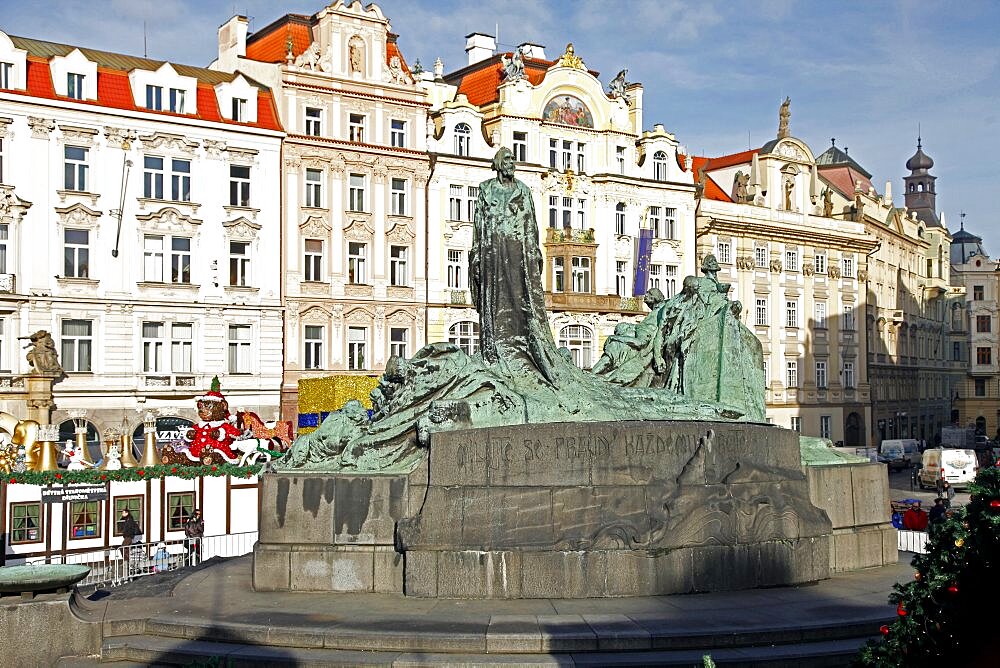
(233, 38)
(888, 193)
(531, 50)
(479, 46)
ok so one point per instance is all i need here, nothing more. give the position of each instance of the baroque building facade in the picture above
(139, 206)
(597, 178)
(355, 171)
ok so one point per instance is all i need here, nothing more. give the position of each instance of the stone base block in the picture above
(863, 547)
(331, 568)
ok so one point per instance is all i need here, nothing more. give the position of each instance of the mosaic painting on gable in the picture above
(568, 110)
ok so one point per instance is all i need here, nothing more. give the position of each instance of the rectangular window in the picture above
(471, 197)
(77, 345)
(397, 266)
(849, 375)
(180, 506)
(670, 223)
(620, 159)
(177, 100)
(581, 274)
(397, 133)
(581, 157)
(239, 263)
(653, 220)
(581, 214)
(154, 347)
(820, 260)
(133, 504)
(76, 168)
(567, 212)
(792, 373)
(154, 97)
(670, 280)
(397, 341)
(760, 312)
(398, 197)
(656, 276)
(520, 146)
(84, 519)
(356, 127)
(6, 75)
(848, 318)
(725, 252)
(357, 254)
(567, 155)
(791, 260)
(553, 211)
(180, 260)
(152, 177)
(74, 86)
(314, 122)
(4, 238)
(180, 180)
(553, 154)
(455, 202)
(760, 257)
(956, 352)
(796, 423)
(239, 185)
(313, 260)
(820, 308)
(980, 387)
(847, 266)
(76, 254)
(984, 355)
(983, 323)
(456, 268)
(356, 199)
(239, 349)
(821, 375)
(2, 163)
(314, 188)
(558, 274)
(181, 347)
(313, 347)
(977, 293)
(357, 340)
(620, 220)
(791, 314)
(239, 110)
(26, 523)
(620, 280)
(152, 259)
(826, 426)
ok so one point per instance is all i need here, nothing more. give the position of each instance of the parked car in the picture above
(956, 465)
(899, 453)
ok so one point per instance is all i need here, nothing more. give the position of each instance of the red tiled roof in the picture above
(844, 179)
(270, 45)
(114, 89)
(392, 49)
(39, 80)
(732, 159)
(208, 104)
(712, 189)
(480, 85)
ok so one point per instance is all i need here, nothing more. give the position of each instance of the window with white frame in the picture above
(620, 278)
(239, 109)
(177, 100)
(471, 197)
(313, 341)
(397, 133)
(848, 318)
(520, 146)
(581, 274)
(620, 159)
(356, 127)
(3, 162)
(74, 85)
(398, 342)
(792, 373)
(398, 197)
(725, 252)
(653, 220)
(77, 344)
(76, 253)
(581, 158)
(152, 177)
(669, 280)
(620, 219)
(154, 97)
(760, 312)
(847, 266)
(180, 180)
(356, 193)
(456, 268)
(465, 335)
(357, 260)
(397, 265)
(581, 214)
(670, 223)
(660, 166)
(313, 261)
(239, 263)
(239, 185)
(152, 257)
(791, 260)
(314, 122)
(655, 276)
(6, 75)
(791, 313)
(760, 256)
(455, 202)
(76, 168)
(821, 375)
(357, 342)
(553, 211)
(820, 261)
(553, 154)
(826, 426)
(181, 347)
(239, 349)
(820, 315)
(154, 347)
(558, 274)
(849, 374)
(180, 259)
(4, 239)
(463, 139)
(314, 188)
(796, 423)
(567, 154)
(579, 339)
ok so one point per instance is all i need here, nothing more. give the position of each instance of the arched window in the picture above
(169, 431)
(580, 341)
(463, 137)
(67, 435)
(465, 335)
(660, 166)
(620, 218)
(920, 187)
(913, 188)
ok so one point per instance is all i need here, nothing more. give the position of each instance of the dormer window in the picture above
(239, 109)
(660, 166)
(154, 98)
(74, 86)
(6, 75)
(177, 100)
(463, 137)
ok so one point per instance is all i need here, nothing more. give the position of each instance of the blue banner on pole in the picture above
(643, 251)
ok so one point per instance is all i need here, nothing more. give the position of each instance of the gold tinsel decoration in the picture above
(324, 395)
(8, 457)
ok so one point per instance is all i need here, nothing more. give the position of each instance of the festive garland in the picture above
(98, 476)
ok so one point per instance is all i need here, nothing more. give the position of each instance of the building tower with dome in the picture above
(920, 195)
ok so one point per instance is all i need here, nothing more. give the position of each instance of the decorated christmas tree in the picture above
(947, 614)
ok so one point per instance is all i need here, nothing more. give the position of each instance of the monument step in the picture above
(162, 651)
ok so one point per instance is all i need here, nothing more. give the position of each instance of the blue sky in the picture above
(866, 73)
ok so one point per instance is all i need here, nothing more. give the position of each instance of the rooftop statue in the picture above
(617, 86)
(519, 375)
(513, 68)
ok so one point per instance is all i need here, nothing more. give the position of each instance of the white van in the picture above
(957, 466)
(900, 453)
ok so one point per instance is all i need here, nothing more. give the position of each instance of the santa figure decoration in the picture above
(216, 429)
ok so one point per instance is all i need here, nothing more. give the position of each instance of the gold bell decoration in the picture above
(48, 458)
(128, 456)
(80, 425)
(150, 455)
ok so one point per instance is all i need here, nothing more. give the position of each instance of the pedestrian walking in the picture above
(130, 530)
(949, 494)
(194, 529)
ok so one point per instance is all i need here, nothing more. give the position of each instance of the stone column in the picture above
(38, 387)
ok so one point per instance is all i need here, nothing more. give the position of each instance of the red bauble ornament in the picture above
(995, 504)
(884, 630)
(952, 589)
(104, 477)
(900, 610)
(141, 472)
(917, 576)
(173, 470)
(59, 476)
(214, 468)
(13, 480)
